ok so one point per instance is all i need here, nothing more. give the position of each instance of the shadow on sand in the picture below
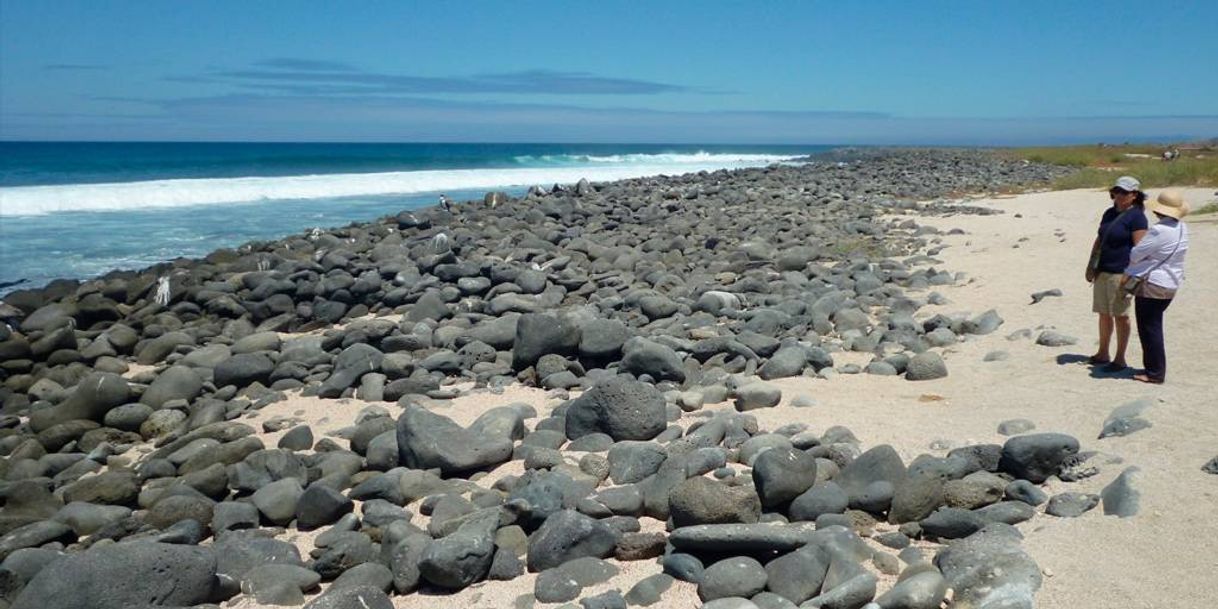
(1098, 371)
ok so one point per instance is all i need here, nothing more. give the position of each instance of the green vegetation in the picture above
(1099, 165)
(1211, 208)
(847, 247)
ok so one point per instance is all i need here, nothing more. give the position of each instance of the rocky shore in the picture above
(656, 314)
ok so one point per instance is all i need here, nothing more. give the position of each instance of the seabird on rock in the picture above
(162, 290)
(439, 243)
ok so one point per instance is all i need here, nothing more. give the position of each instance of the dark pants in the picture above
(1149, 313)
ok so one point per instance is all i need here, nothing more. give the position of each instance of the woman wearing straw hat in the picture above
(1121, 227)
(1156, 270)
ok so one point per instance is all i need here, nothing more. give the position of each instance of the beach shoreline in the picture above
(945, 262)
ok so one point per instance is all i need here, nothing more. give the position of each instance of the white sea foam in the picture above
(37, 200)
(700, 157)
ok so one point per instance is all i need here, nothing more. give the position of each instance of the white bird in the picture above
(446, 203)
(439, 242)
(162, 290)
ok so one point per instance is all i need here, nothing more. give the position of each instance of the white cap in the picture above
(1128, 184)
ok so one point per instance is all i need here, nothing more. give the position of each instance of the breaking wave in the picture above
(544, 170)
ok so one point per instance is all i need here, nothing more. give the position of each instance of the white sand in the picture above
(1167, 556)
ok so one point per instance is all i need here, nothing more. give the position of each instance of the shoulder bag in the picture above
(1133, 285)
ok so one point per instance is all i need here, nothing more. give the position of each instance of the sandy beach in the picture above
(1167, 555)
(636, 324)
(524, 308)
(1163, 557)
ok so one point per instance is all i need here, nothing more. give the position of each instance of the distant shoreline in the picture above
(844, 154)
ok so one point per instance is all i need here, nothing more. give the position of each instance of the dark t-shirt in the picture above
(1116, 237)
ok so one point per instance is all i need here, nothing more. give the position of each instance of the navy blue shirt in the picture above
(1116, 237)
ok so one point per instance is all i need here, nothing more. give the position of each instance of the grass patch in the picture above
(1083, 156)
(1211, 208)
(851, 246)
(1100, 165)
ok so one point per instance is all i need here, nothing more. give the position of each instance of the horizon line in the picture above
(1158, 139)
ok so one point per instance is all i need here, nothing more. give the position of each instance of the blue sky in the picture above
(666, 72)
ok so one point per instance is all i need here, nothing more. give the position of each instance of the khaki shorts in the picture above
(1107, 297)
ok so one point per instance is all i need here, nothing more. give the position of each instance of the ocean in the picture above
(81, 209)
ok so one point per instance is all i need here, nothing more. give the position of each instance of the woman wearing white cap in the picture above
(1121, 228)
(1156, 270)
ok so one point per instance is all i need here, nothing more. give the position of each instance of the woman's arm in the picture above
(1137, 235)
(1089, 274)
(1142, 256)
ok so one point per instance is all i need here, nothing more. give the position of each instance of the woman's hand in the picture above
(1124, 278)
(1089, 275)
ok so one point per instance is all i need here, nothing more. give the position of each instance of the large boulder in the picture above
(880, 463)
(175, 383)
(125, 575)
(262, 467)
(739, 576)
(461, 558)
(602, 338)
(787, 361)
(925, 366)
(1035, 457)
(631, 461)
(501, 421)
(353, 597)
(824, 498)
(847, 584)
(641, 356)
(758, 394)
(990, 569)
(33, 535)
(919, 493)
(320, 505)
(94, 396)
(797, 576)
(354, 362)
(925, 589)
(620, 407)
(543, 492)
(538, 334)
(567, 535)
(982, 324)
(111, 487)
(403, 558)
(239, 552)
(280, 584)
(782, 474)
(243, 369)
(427, 440)
(1122, 497)
(748, 538)
(701, 500)
(278, 501)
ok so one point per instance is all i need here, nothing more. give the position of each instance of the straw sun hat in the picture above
(1170, 203)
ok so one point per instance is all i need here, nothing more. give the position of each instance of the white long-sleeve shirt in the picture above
(1156, 249)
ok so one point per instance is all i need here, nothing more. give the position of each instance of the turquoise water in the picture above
(81, 209)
